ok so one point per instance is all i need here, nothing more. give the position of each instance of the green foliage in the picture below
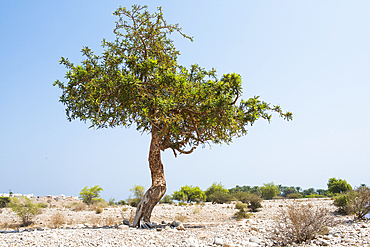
(4, 201)
(322, 192)
(99, 210)
(134, 202)
(91, 195)
(166, 199)
(285, 190)
(239, 195)
(294, 196)
(341, 201)
(314, 196)
(220, 197)
(137, 191)
(215, 187)
(137, 80)
(42, 205)
(189, 194)
(122, 202)
(111, 201)
(355, 202)
(243, 211)
(309, 191)
(24, 208)
(269, 190)
(336, 186)
(254, 202)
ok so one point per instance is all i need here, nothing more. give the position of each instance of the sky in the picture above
(310, 57)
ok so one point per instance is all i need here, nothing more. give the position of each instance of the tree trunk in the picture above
(154, 194)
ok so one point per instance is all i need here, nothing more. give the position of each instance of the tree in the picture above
(216, 187)
(189, 194)
(137, 191)
(24, 208)
(137, 80)
(338, 186)
(91, 195)
(269, 190)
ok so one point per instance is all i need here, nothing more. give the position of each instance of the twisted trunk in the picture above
(154, 194)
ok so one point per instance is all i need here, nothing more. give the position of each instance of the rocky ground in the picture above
(203, 225)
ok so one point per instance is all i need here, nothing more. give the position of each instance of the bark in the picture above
(154, 194)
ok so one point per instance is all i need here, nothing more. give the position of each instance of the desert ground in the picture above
(193, 225)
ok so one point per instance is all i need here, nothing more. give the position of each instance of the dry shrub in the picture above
(110, 221)
(132, 217)
(196, 210)
(180, 217)
(298, 222)
(124, 209)
(57, 220)
(94, 220)
(78, 206)
(243, 211)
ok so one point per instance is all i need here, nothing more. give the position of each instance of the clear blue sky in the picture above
(311, 57)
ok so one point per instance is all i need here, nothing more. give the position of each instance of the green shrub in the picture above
(269, 191)
(4, 201)
(341, 201)
(243, 211)
(42, 205)
(99, 210)
(239, 195)
(294, 196)
(24, 208)
(89, 196)
(358, 202)
(166, 199)
(220, 197)
(137, 191)
(314, 196)
(215, 188)
(254, 202)
(134, 202)
(122, 202)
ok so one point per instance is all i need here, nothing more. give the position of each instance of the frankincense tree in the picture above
(137, 80)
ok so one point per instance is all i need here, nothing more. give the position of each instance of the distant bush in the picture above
(189, 194)
(215, 187)
(42, 205)
(166, 199)
(254, 202)
(314, 196)
(24, 208)
(122, 202)
(220, 197)
(4, 201)
(134, 202)
(269, 190)
(181, 217)
(239, 195)
(299, 222)
(294, 196)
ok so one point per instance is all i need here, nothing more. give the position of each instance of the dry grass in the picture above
(299, 222)
(196, 210)
(57, 220)
(110, 221)
(132, 216)
(76, 206)
(181, 217)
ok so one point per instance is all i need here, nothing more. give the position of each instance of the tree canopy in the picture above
(137, 80)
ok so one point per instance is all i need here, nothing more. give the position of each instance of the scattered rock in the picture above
(255, 240)
(126, 222)
(176, 223)
(218, 241)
